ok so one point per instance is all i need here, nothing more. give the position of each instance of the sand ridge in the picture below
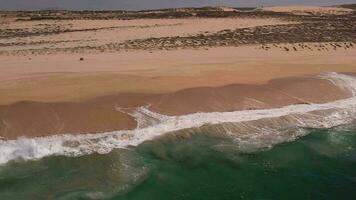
(309, 10)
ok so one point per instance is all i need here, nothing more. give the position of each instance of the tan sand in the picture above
(302, 10)
(85, 95)
(276, 93)
(102, 114)
(101, 32)
(39, 119)
(57, 93)
(53, 78)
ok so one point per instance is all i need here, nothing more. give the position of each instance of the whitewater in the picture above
(152, 125)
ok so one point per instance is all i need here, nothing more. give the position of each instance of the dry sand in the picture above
(306, 10)
(74, 33)
(53, 78)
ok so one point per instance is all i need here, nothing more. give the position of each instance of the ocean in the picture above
(320, 165)
(305, 151)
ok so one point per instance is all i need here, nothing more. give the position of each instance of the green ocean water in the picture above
(321, 165)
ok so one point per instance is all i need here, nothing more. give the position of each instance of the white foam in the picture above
(343, 81)
(76, 145)
(146, 118)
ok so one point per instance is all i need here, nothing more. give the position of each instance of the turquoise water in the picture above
(321, 165)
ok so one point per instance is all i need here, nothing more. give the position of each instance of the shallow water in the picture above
(320, 165)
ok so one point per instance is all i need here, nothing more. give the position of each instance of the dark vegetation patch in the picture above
(333, 29)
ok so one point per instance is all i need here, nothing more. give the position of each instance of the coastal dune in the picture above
(307, 10)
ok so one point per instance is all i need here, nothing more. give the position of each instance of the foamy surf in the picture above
(256, 128)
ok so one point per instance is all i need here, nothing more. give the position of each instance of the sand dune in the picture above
(306, 10)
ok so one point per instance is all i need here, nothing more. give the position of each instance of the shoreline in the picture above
(195, 103)
(50, 95)
(117, 112)
(263, 128)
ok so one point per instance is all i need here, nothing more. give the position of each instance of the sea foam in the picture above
(304, 115)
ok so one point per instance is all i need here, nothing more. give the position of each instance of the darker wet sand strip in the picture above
(101, 114)
(276, 93)
(34, 119)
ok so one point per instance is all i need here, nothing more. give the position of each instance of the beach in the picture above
(178, 103)
(232, 60)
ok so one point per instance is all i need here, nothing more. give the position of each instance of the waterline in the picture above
(303, 115)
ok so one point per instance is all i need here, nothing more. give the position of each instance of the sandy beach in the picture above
(88, 75)
(184, 100)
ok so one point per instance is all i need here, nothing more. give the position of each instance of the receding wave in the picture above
(251, 129)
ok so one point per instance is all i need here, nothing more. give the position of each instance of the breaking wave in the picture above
(251, 129)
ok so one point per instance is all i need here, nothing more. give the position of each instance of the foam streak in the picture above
(334, 113)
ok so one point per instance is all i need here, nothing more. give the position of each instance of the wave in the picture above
(251, 129)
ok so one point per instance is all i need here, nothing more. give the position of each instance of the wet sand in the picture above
(110, 113)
